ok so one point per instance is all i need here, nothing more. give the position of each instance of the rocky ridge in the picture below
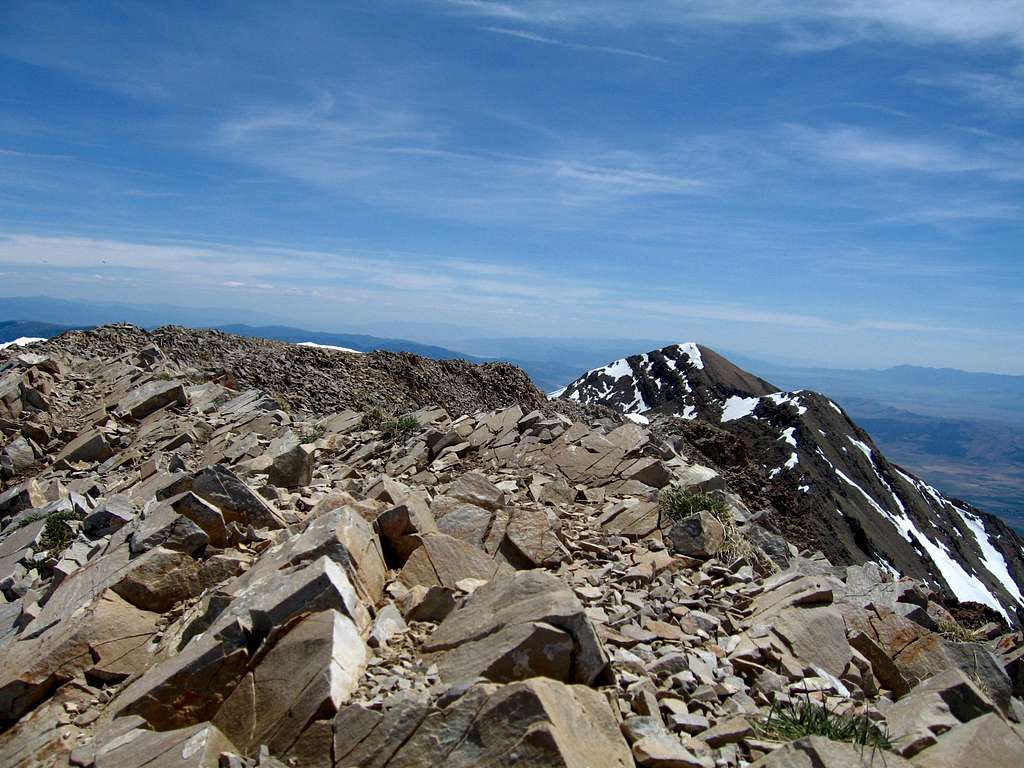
(850, 500)
(193, 575)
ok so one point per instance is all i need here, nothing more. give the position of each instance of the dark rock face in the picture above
(842, 495)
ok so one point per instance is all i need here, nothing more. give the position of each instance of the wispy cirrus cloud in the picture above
(880, 151)
(532, 37)
(805, 25)
(373, 152)
(472, 290)
(998, 92)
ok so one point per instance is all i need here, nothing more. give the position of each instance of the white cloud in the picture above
(737, 313)
(805, 24)
(572, 45)
(374, 153)
(876, 150)
(997, 92)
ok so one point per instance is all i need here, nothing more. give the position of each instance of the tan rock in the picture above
(444, 561)
(819, 752)
(107, 638)
(308, 674)
(524, 598)
(985, 741)
(197, 746)
(474, 488)
(699, 535)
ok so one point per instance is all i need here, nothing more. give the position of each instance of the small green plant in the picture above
(312, 434)
(399, 430)
(956, 632)
(28, 520)
(677, 504)
(373, 418)
(798, 719)
(56, 531)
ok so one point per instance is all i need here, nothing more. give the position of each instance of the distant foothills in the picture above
(964, 431)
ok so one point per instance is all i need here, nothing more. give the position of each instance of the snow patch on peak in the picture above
(692, 353)
(615, 369)
(992, 558)
(737, 407)
(21, 341)
(636, 418)
(789, 398)
(862, 447)
(328, 346)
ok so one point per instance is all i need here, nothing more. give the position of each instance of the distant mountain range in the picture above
(964, 430)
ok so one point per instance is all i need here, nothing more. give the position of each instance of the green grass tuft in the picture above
(807, 718)
(956, 632)
(399, 430)
(677, 504)
(56, 531)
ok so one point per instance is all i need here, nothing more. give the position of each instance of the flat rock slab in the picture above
(479, 636)
(985, 741)
(819, 752)
(538, 723)
(198, 746)
(151, 397)
(443, 561)
(237, 501)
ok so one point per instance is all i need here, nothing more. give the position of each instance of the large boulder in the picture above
(198, 746)
(106, 639)
(506, 626)
(698, 535)
(90, 446)
(903, 653)
(401, 527)
(819, 752)
(237, 502)
(934, 707)
(474, 488)
(151, 397)
(538, 723)
(190, 687)
(308, 674)
(444, 561)
(985, 741)
(799, 612)
(533, 533)
(291, 463)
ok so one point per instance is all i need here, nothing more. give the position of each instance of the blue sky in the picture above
(828, 181)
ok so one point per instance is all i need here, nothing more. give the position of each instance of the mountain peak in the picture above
(863, 507)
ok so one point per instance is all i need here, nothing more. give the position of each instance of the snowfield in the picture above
(328, 346)
(21, 341)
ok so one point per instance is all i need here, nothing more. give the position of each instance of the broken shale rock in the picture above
(504, 626)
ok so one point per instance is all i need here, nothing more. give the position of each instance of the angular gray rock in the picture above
(819, 752)
(151, 397)
(308, 674)
(985, 741)
(499, 630)
(237, 502)
(198, 746)
(699, 535)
